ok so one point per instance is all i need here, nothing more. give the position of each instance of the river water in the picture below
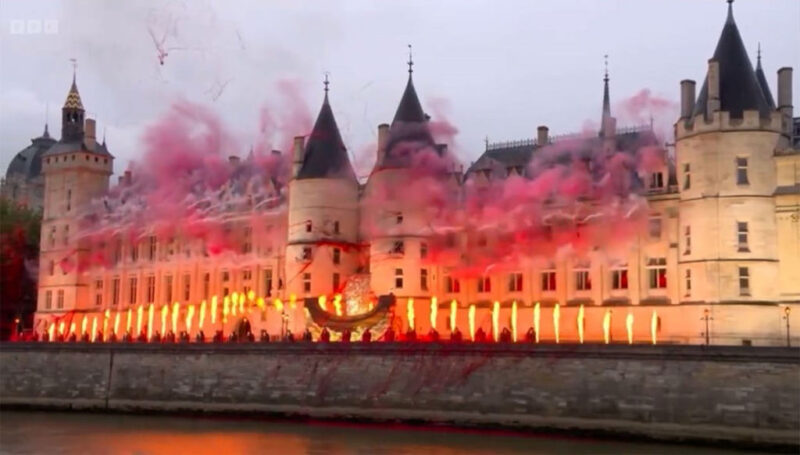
(76, 433)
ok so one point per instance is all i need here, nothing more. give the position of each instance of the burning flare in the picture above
(116, 323)
(472, 322)
(654, 327)
(61, 327)
(213, 310)
(51, 331)
(150, 313)
(629, 327)
(337, 304)
(434, 310)
(322, 304)
(580, 324)
(94, 328)
(164, 314)
(514, 321)
(453, 309)
(292, 301)
(496, 321)
(410, 313)
(536, 317)
(84, 322)
(556, 317)
(202, 318)
(72, 328)
(139, 317)
(226, 309)
(278, 305)
(607, 327)
(176, 310)
(189, 316)
(129, 321)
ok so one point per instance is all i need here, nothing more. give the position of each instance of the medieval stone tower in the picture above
(322, 244)
(728, 140)
(76, 169)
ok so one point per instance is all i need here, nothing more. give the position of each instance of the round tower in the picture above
(725, 145)
(322, 249)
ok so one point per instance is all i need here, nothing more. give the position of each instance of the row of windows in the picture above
(48, 299)
(741, 173)
(742, 238)
(72, 158)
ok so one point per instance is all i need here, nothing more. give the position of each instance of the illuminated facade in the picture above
(718, 259)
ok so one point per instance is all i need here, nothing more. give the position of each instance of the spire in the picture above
(410, 109)
(46, 133)
(73, 100)
(739, 89)
(606, 98)
(762, 81)
(325, 154)
(72, 112)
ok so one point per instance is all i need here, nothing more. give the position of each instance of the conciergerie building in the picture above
(701, 245)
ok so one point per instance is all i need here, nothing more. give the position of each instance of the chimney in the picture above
(713, 87)
(383, 139)
(233, 160)
(89, 133)
(687, 98)
(128, 178)
(785, 91)
(297, 160)
(542, 137)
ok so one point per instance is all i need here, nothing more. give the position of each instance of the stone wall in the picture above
(688, 393)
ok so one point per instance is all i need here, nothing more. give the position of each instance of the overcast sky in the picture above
(502, 67)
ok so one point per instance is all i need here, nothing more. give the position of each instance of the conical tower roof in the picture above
(73, 100)
(762, 82)
(325, 154)
(739, 89)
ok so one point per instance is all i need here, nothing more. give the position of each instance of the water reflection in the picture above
(74, 433)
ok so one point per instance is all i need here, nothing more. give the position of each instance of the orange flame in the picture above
(164, 314)
(410, 313)
(213, 310)
(116, 323)
(72, 328)
(292, 301)
(226, 308)
(514, 321)
(607, 326)
(241, 303)
(278, 305)
(434, 311)
(150, 313)
(189, 316)
(337, 304)
(106, 318)
(251, 295)
(202, 318)
(556, 320)
(536, 318)
(629, 327)
(84, 322)
(654, 328)
(51, 331)
(139, 313)
(453, 309)
(94, 328)
(129, 320)
(472, 322)
(496, 320)
(176, 310)
(580, 324)
(61, 328)
(322, 304)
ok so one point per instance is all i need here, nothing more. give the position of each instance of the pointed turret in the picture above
(762, 81)
(608, 124)
(72, 115)
(325, 155)
(737, 88)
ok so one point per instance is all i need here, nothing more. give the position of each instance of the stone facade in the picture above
(746, 396)
(718, 261)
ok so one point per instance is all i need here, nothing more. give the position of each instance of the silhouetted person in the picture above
(156, 337)
(307, 336)
(530, 336)
(263, 336)
(85, 337)
(250, 337)
(72, 337)
(112, 338)
(366, 337)
(169, 337)
(142, 338)
(200, 337)
(346, 336)
(389, 335)
(456, 336)
(480, 336)
(218, 337)
(325, 336)
(505, 335)
(411, 335)
(184, 336)
(433, 335)
(289, 337)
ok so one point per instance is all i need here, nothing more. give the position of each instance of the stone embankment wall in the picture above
(746, 395)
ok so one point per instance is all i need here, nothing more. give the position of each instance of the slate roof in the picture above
(28, 162)
(73, 100)
(739, 89)
(325, 154)
(763, 84)
(410, 109)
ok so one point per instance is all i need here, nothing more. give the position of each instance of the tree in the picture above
(20, 228)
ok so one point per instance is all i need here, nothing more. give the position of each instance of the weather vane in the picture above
(326, 82)
(410, 60)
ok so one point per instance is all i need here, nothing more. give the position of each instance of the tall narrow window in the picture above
(168, 289)
(688, 279)
(206, 285)
(656, 180)
(52, 267)
(335, 227)
(742, 236)
(619, 278)
(398, 278)
(187, 287)
(133, 284)
(69, 200)
(398, 247)
(744, 281)
(98, 293)
(423, 279)
(247, 244)
(307, 283)
(337, 256)
(151, 289)
(268, 282)
(308, 226)
(152, 243)
(60, 300)
(452, 285)
(134, 251)
(741, 171)
(515, 282)
(66, 235)
(657, 272)
(687, 176)
(423, 250)
(306, 253)
(687, 240)
(115, 292)
(654, 227)
(48, 300)
(336, 282)
(484, 284)
(52, 236)
(399, 218)
(549, 280)
(583, 282)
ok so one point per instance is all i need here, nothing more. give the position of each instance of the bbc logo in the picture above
(33, 27)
